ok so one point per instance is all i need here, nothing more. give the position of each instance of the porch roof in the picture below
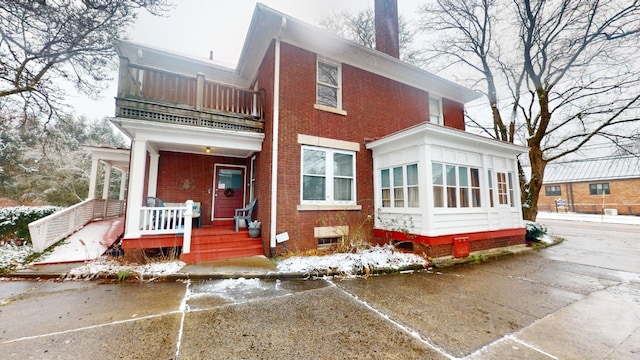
(116, 157)
(190, 139)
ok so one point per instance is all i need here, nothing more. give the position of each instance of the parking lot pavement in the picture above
(549, 304)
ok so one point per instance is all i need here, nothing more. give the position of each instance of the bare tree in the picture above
(360, 28)
(557, 74)
(44, 43)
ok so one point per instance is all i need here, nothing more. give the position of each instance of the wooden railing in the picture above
(57, 226)
(168, 220)
(152, 94)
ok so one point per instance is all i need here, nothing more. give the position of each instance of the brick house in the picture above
(331, 138)
(606, 185)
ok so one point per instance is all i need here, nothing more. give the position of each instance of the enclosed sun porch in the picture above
(195, 130)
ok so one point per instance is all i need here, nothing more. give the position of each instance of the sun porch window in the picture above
(455, 186)
(399, 186)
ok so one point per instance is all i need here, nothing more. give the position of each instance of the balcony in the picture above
(162, 96)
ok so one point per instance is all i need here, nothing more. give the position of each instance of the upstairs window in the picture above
(435, 110)
(329, 92)
(599, 189)
(328, 176)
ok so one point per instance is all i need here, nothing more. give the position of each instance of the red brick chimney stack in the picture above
(386, 21)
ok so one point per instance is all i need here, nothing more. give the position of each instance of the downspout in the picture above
(274, 151)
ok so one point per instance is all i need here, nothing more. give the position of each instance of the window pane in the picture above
(384, 178)
(412, 174)
(397, 176)
(413, 198)
(451, 175)
(464, 178)
(436, 170)
(342, 189)
(475, 178)
(464, 197)
(342, 164)
(475, 193)
(327, 96)
(314, 162)
(386, 197)
(451, 197)
(327, 74)
(313, 188)
(398, 197)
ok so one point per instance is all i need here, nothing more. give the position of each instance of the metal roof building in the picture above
(609, 168)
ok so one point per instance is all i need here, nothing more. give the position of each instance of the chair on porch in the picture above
(244, 213)
(151, 201)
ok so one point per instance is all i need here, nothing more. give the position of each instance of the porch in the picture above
(207, 243)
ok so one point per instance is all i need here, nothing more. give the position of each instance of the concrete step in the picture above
(222, 253)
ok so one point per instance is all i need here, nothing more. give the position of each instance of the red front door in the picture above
(229, 191)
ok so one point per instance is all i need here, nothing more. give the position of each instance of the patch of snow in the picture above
(13, 255)
(375, 258)
(103, 266)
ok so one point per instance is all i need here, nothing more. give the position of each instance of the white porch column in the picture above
(107, 181)
(123, 185)
(136, 188)
(93, 180)
(153, 174)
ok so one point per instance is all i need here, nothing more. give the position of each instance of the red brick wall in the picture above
(175, 168)
(625, 196)
(453, 114)
(375, 107)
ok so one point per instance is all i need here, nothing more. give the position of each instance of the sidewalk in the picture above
(617, 219)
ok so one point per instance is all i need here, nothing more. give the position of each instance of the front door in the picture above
(228, 192)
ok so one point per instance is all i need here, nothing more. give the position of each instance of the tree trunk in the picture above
(538, 165)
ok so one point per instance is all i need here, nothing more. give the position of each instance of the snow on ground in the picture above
(384, 257)
(12, 255)
(104, 266)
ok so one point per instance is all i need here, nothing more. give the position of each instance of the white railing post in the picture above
(186, 240)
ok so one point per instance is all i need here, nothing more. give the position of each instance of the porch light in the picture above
(207, 149)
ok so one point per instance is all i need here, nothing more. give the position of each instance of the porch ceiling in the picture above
(191, 139)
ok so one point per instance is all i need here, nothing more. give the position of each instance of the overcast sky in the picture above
(195, 27)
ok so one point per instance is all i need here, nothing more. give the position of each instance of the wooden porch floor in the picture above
(207, 243)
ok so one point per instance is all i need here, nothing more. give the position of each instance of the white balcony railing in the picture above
(168, 220)
(55, 227)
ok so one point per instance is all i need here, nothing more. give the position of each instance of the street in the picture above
(576, 300)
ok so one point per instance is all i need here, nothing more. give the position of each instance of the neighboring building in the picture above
(605, 185)
(324, 133)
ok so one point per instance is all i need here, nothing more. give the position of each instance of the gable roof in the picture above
(268, 24)
(609, 168)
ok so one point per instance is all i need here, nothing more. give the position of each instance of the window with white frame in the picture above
(435, 110)
(328, 176)
(490, 182)
(461, 184)
(403, 180)
(329, 87)
(503, 197)
(511, 193)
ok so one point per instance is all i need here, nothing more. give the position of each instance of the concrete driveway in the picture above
(541, 305)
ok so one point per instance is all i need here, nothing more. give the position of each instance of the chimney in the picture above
(386, 21)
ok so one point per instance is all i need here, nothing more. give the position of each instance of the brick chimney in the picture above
(386, 21)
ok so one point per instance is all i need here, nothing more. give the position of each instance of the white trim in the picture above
(152, 186)
(329, 177)
(316, 207)
(328, 143)
(274, 148)
(441, 115)
(329, 109)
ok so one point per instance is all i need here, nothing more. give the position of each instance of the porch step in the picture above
(222, 245)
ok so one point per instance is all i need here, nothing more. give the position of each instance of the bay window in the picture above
(399, 186)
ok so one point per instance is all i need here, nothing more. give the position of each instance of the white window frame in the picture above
(329, 177)
(393, 200)
(338, 87)
(456, 189)
(433, 118)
